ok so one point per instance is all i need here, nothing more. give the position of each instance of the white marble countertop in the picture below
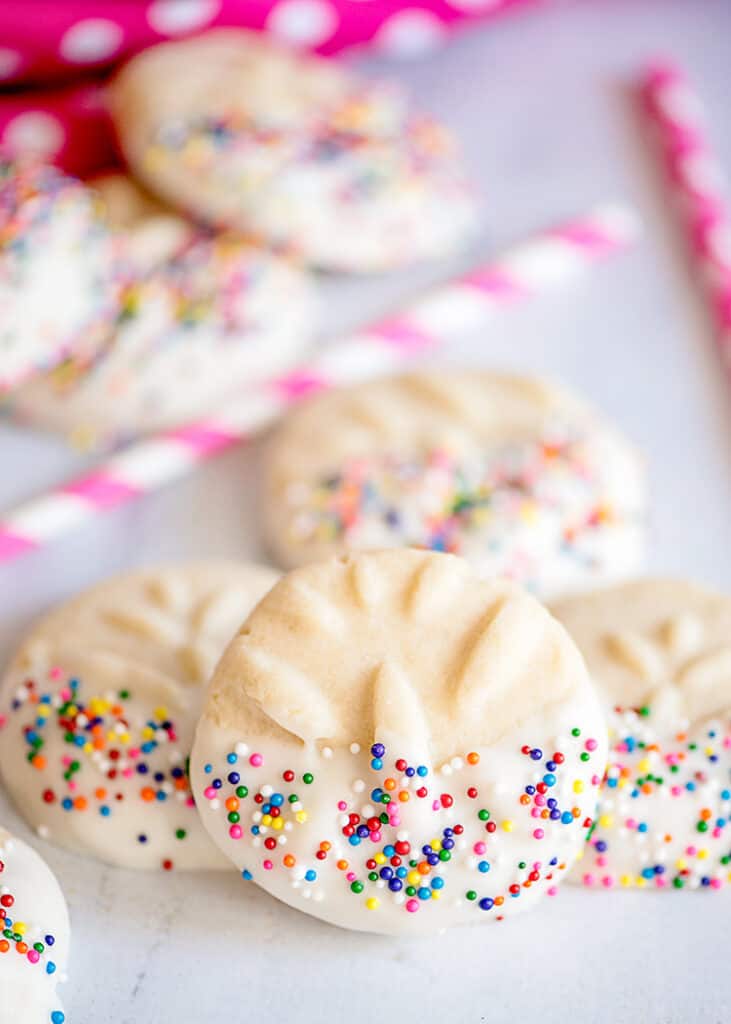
(543, 107)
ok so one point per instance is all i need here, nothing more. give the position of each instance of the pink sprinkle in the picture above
(601, 862)
(717, 832)
(660, 881)
(588, 879)
(267, 865)
(479, 847)
(190, 802)
(631, 823)
(435, 805)
(553, 891)
(235, 832)
(351, 876)
(342, 806)
(209, 793)
(33, 955)
(256, 760)
(716, 883)
(538, 833)
(539, 800)
(595, 780)
(676, 790)
(691, 851)
(534, 812)
(591, 744)
(375, 837)
(412, 906)
(607, 881)
(56, 673)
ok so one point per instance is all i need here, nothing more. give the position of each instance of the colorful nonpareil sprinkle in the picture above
(95, 754)
(665, 807)
(16, 936)
(538, 512)
(390, 832)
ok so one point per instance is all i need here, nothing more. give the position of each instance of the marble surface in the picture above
(543, 104)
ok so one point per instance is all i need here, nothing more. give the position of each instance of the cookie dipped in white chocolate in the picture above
(98, 708)
(245, 134)
(58, 286)
(394, 745)
(34, 936)
(515, 474)
(202, 318)
(659, 652)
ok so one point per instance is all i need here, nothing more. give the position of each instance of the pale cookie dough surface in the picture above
(34, 936)
(659, 652)
(512, 473)
(393, 745)
(57, 271)
(245, 134)
(202, 317)
(98, 709)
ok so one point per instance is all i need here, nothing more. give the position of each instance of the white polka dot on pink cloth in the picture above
(9, 62)
(303, 22)
(475, 6)
(410, 33)
(90, 40)
(173, 17)
(34, 132)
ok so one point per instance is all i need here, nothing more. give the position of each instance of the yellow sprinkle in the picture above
(435, 844)
(372, 903)
(161, 713)
(702, 854)
(507, 825)
(606, 821)
(643, 765)
(681, 863)
(380, 858)
(640, 882)
(267, 819)
(88, 748)
(625, 880)
(435, 894)
(98, 706)
(413, 878)
(578, 786)
(148, 733)
(528, 512)
(301, 817)
(20, 927)
(277, 824)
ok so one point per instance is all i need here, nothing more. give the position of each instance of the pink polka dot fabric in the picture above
(62, 49)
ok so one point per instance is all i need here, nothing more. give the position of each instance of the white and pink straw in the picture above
(698, 183)
(463, 304)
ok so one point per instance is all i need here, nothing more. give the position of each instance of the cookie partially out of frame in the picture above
(394, 745)
(659, 653)
(99, 705)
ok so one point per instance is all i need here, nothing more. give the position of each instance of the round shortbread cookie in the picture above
(57, 271)
(512, 473)
(201, 318)
(394, 745)
(34, 936)
(242, 133)
(659, 652)
(98, 708)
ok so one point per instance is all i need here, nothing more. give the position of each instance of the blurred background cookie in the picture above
(513, 473)
(244, 134)
(201, 317)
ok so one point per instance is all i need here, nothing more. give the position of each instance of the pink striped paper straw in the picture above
(698, 183)
(463, 304)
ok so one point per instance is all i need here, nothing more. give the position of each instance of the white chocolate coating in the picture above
(243, 133)
(391, 708)
(201, 319)
(512, 473)
(98, 708)
(659, 652)
(34, 926)
(57, 271)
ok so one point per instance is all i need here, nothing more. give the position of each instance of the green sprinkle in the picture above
(307, 778)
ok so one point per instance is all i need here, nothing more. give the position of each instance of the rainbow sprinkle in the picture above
(664, 817)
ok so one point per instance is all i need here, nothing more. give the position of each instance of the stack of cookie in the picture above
(270, 163)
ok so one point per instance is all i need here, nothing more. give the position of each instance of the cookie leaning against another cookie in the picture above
(57, 271)
(34, 936)
(394, 745)
(513, 473)
(659, 652)
(202, 317)
(242, 133)
(98, 708)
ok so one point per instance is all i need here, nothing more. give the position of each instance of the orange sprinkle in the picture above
(390, 785)
(4, 945)
(81, 803)
(39, 762)
(499, 900)
(232, 804)
(403, 796)
(473, 758)
(147, 794)
(100, 793)
(705, 814)
(289, 861)
(22, 947)
(525, 799)
(342, 865)
(424, 868)
(325, 845)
